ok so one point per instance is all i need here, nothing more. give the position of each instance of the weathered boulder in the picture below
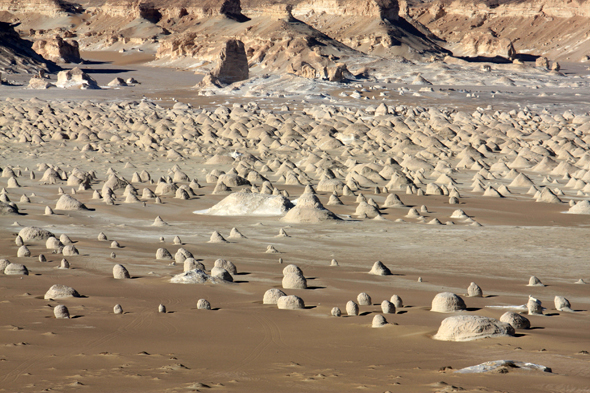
(58, 50)
(75, 79)
(472, 327)
(485, 42)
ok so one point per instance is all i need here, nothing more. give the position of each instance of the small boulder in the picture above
(447, 302)
(397, 301)
(59, 291)
(290, 302)
(203, 304)
(352, 309)
(534, 306)
(364, 299)
(221, 273)
(16, 269)
(61, 312)
(474, 290)
(120, 272)
(562, 304)
(272, 296)
(379, 269)
(535, 282)
(517, 321)
(387, 307)
(294, 281)
(227, 265)
(379, 321)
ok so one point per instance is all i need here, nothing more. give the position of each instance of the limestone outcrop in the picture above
(58, 50)
(233, 63)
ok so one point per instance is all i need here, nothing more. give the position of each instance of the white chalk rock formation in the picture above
(294, 281)
(397, 301)
(309, 209)
(222, 274)
(379, 321)
(363, 299)
(447, 302)
(582, 207)
(562, 304)
(534, 306)
(59, 291)
(290, 302)
(272, 296)
(246, 203)
(61, 312)
(23, 252)
(163, 254)
(75, 79)
(192, 264)
(471, 327)
(227, 265)
(67, 202)
(34, 234)
(120, 272)
(236, 234)
(203, 304)
(352, 309)
(70, 250)
(535, 282)
(379, 269)
(474, 290)
(16, 269)
(3, 264)
(292, 269)
(517, 321)
(388, 307)
(194, 277)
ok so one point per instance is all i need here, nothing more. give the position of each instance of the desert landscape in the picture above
(294, 196)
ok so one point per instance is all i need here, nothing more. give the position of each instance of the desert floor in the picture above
(242, 345)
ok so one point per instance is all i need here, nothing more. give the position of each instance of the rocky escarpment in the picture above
(558, 29)
(308, 37)
(312, 38)
(16, 55)
(382, 9)
(155, 11)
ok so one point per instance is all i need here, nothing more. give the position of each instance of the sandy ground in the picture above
(242, 345)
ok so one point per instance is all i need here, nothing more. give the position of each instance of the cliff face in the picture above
(155, 10)
(302, 36)
(306, 37)
(388, 9)
(557, 29)
(43, 7)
